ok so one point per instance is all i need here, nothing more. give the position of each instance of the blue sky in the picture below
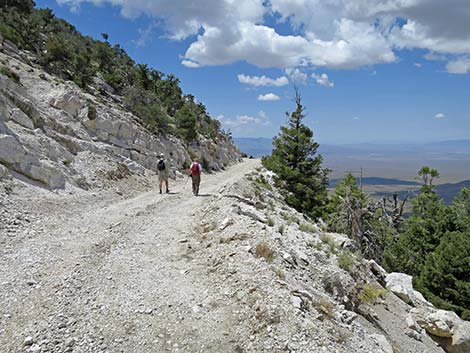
(371, 71)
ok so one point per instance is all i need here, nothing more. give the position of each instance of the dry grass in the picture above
(325, 307)
(328, 239)
(279, 273)
(307, 227)
(264, 251)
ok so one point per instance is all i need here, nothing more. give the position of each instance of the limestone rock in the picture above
(225, 223)
(377, 270)
(4, 173)
(453, 331)
(382, 342)
(401, 285)
(15, 156)
(21, 118)
(342, 241)
(461, 338)
(69, 101)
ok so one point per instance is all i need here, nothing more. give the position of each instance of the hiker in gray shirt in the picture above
(163, 172)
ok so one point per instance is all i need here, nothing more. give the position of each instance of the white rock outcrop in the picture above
(454, 332)
(401, 285)
(47, 133)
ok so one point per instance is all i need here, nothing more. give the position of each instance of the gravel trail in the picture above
(113, 275)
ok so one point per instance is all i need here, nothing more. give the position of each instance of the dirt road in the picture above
(114, 275)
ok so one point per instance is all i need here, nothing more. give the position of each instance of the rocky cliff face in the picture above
(54, 133)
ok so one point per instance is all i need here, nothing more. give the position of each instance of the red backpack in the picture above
(195, 170)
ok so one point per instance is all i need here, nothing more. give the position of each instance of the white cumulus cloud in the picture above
(245, 122)
(296, 75)
(323, 80)
(459, 66)
(324, 33)
(440, 116)
(263, 80)
(268, 97)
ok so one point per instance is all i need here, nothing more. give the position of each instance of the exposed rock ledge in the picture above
(47, 135)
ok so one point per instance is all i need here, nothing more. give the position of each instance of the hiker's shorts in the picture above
(163, 175)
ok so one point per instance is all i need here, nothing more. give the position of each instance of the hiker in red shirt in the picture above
(195, 174)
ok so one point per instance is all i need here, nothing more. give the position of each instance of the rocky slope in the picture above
(235, 270)
(54, 133)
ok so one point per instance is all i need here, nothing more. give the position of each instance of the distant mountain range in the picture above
(393, 161)
(447, 192)
(259, 146)
(388, 168)
(374, 181)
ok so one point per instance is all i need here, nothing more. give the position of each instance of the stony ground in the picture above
(125, 269)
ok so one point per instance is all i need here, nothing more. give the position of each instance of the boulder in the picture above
(460, 338)
(377, 270)
(47, 174)
(21, 118)
(11, 151)
(14, 155)
(452, 332)
(342, 241)
(7, 46)
(102, 85)
(69, 101)
(401, 285)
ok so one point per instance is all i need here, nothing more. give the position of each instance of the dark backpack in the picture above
(161, 165)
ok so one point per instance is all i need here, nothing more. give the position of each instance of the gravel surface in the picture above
(125, 269)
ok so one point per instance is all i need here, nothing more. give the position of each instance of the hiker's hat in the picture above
(162, 155)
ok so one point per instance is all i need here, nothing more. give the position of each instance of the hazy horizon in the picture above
(375, 142)
(399, 161)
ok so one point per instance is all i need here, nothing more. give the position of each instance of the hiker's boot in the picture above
(167, 191)
(160, 191)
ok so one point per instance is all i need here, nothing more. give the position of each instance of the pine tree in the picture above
(429, 221)
(298, 166)
(345, 208)
(445, 279)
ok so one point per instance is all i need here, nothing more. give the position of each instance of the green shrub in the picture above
(270, 222)
(346, 260)
(11, 34)
(370, 293)
(328, 239)
(262, 183)
(271, 204)
(281, 229)
(91, 111)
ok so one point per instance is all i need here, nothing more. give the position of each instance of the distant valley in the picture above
(389, 168)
